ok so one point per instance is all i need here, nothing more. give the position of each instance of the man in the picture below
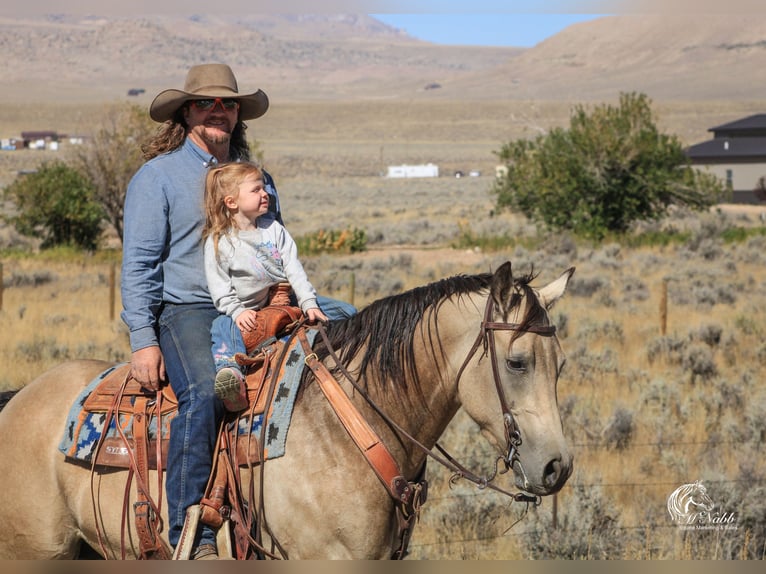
(167, 306)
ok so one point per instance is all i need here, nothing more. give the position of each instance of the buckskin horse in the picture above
(481, 342)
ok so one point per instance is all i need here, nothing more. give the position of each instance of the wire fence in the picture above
(517, 526)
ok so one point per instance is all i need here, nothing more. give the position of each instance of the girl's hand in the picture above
(315, 314)
(246, 320)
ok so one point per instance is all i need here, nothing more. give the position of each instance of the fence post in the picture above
(664, 308)
(352, 288)
(112, 282)
(1, 286)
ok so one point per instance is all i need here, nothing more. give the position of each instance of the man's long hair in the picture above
(172, 133)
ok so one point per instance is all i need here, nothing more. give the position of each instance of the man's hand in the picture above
(147, 366)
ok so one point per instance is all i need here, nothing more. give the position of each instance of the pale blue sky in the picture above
(520, 30)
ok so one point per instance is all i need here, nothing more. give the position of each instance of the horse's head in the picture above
(509, 387)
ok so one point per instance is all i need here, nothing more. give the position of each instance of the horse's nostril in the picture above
(552, 473)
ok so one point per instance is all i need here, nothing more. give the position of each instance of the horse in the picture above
(483, 342)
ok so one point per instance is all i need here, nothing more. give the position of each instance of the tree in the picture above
(56, 203)
(612, 167)
(112, 155)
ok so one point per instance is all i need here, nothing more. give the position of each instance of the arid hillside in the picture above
(77, 58)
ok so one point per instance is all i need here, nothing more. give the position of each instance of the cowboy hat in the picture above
(208, 81)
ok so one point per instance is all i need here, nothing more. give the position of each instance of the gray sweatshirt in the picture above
(249, 263)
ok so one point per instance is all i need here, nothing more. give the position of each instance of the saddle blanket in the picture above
(83, 430)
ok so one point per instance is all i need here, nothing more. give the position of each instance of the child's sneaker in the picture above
(231, 389)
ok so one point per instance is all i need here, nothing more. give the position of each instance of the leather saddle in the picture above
(137, 408)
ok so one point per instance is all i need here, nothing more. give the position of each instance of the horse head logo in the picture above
(687, 502)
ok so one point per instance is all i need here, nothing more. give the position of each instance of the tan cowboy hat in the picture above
(208, 81)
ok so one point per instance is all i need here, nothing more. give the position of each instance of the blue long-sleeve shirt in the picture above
(162, 255)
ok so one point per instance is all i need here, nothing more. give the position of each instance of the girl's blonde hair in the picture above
(221, 182)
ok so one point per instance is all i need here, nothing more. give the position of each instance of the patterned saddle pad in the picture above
(85, 434)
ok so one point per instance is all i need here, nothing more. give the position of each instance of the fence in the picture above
(663, 523)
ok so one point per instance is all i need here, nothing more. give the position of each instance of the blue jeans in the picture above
(227, 341)
(227, 338)
(335, 309)
(185, 344)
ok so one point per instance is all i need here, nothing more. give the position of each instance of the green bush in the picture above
(611, 168)
(351, 240)
(57, 204)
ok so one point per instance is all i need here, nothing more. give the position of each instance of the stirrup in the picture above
(186, 541)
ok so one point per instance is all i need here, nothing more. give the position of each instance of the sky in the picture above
(519, 30)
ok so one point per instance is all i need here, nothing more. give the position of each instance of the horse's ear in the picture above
(502, 286)
(553, 291)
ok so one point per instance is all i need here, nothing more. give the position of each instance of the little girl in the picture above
(245, 255)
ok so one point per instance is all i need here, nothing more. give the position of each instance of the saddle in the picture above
(122, 399)
(270, 321)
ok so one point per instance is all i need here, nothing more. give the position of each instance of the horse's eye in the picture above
(514, 365)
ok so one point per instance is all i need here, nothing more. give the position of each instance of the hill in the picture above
(309, 58)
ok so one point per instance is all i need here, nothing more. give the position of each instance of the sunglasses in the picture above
(206, 104)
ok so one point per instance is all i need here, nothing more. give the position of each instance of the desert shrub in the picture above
(661, 394)
(478, 519)
(587, 286)
(634, 290)
(697, 360)
(667, 348)
(730, 395)
(620, 429)
(588, 528)
(708, 334)
(744, 495)
(609, 257)
(704, 287)
(32, 279)
(748, 325)
(761, 354)
(586, 364)
(609, 329)
(43, 349)
(561, 320)
(467, 238)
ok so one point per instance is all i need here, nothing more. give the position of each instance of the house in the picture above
(736, 154)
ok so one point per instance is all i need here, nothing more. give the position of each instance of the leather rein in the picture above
(512, 432)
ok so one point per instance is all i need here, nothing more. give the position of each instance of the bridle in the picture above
(512, 432)
(486, 338)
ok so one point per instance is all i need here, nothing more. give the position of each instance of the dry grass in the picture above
(644, 412)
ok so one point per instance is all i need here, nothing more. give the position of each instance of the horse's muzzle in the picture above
(553, 477)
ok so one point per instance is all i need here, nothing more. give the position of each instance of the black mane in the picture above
(382, 334)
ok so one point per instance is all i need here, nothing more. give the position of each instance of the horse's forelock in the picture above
(535, 312)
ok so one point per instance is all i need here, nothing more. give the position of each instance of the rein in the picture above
(512, 432)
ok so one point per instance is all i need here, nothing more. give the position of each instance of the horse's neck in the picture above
(440, 352)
